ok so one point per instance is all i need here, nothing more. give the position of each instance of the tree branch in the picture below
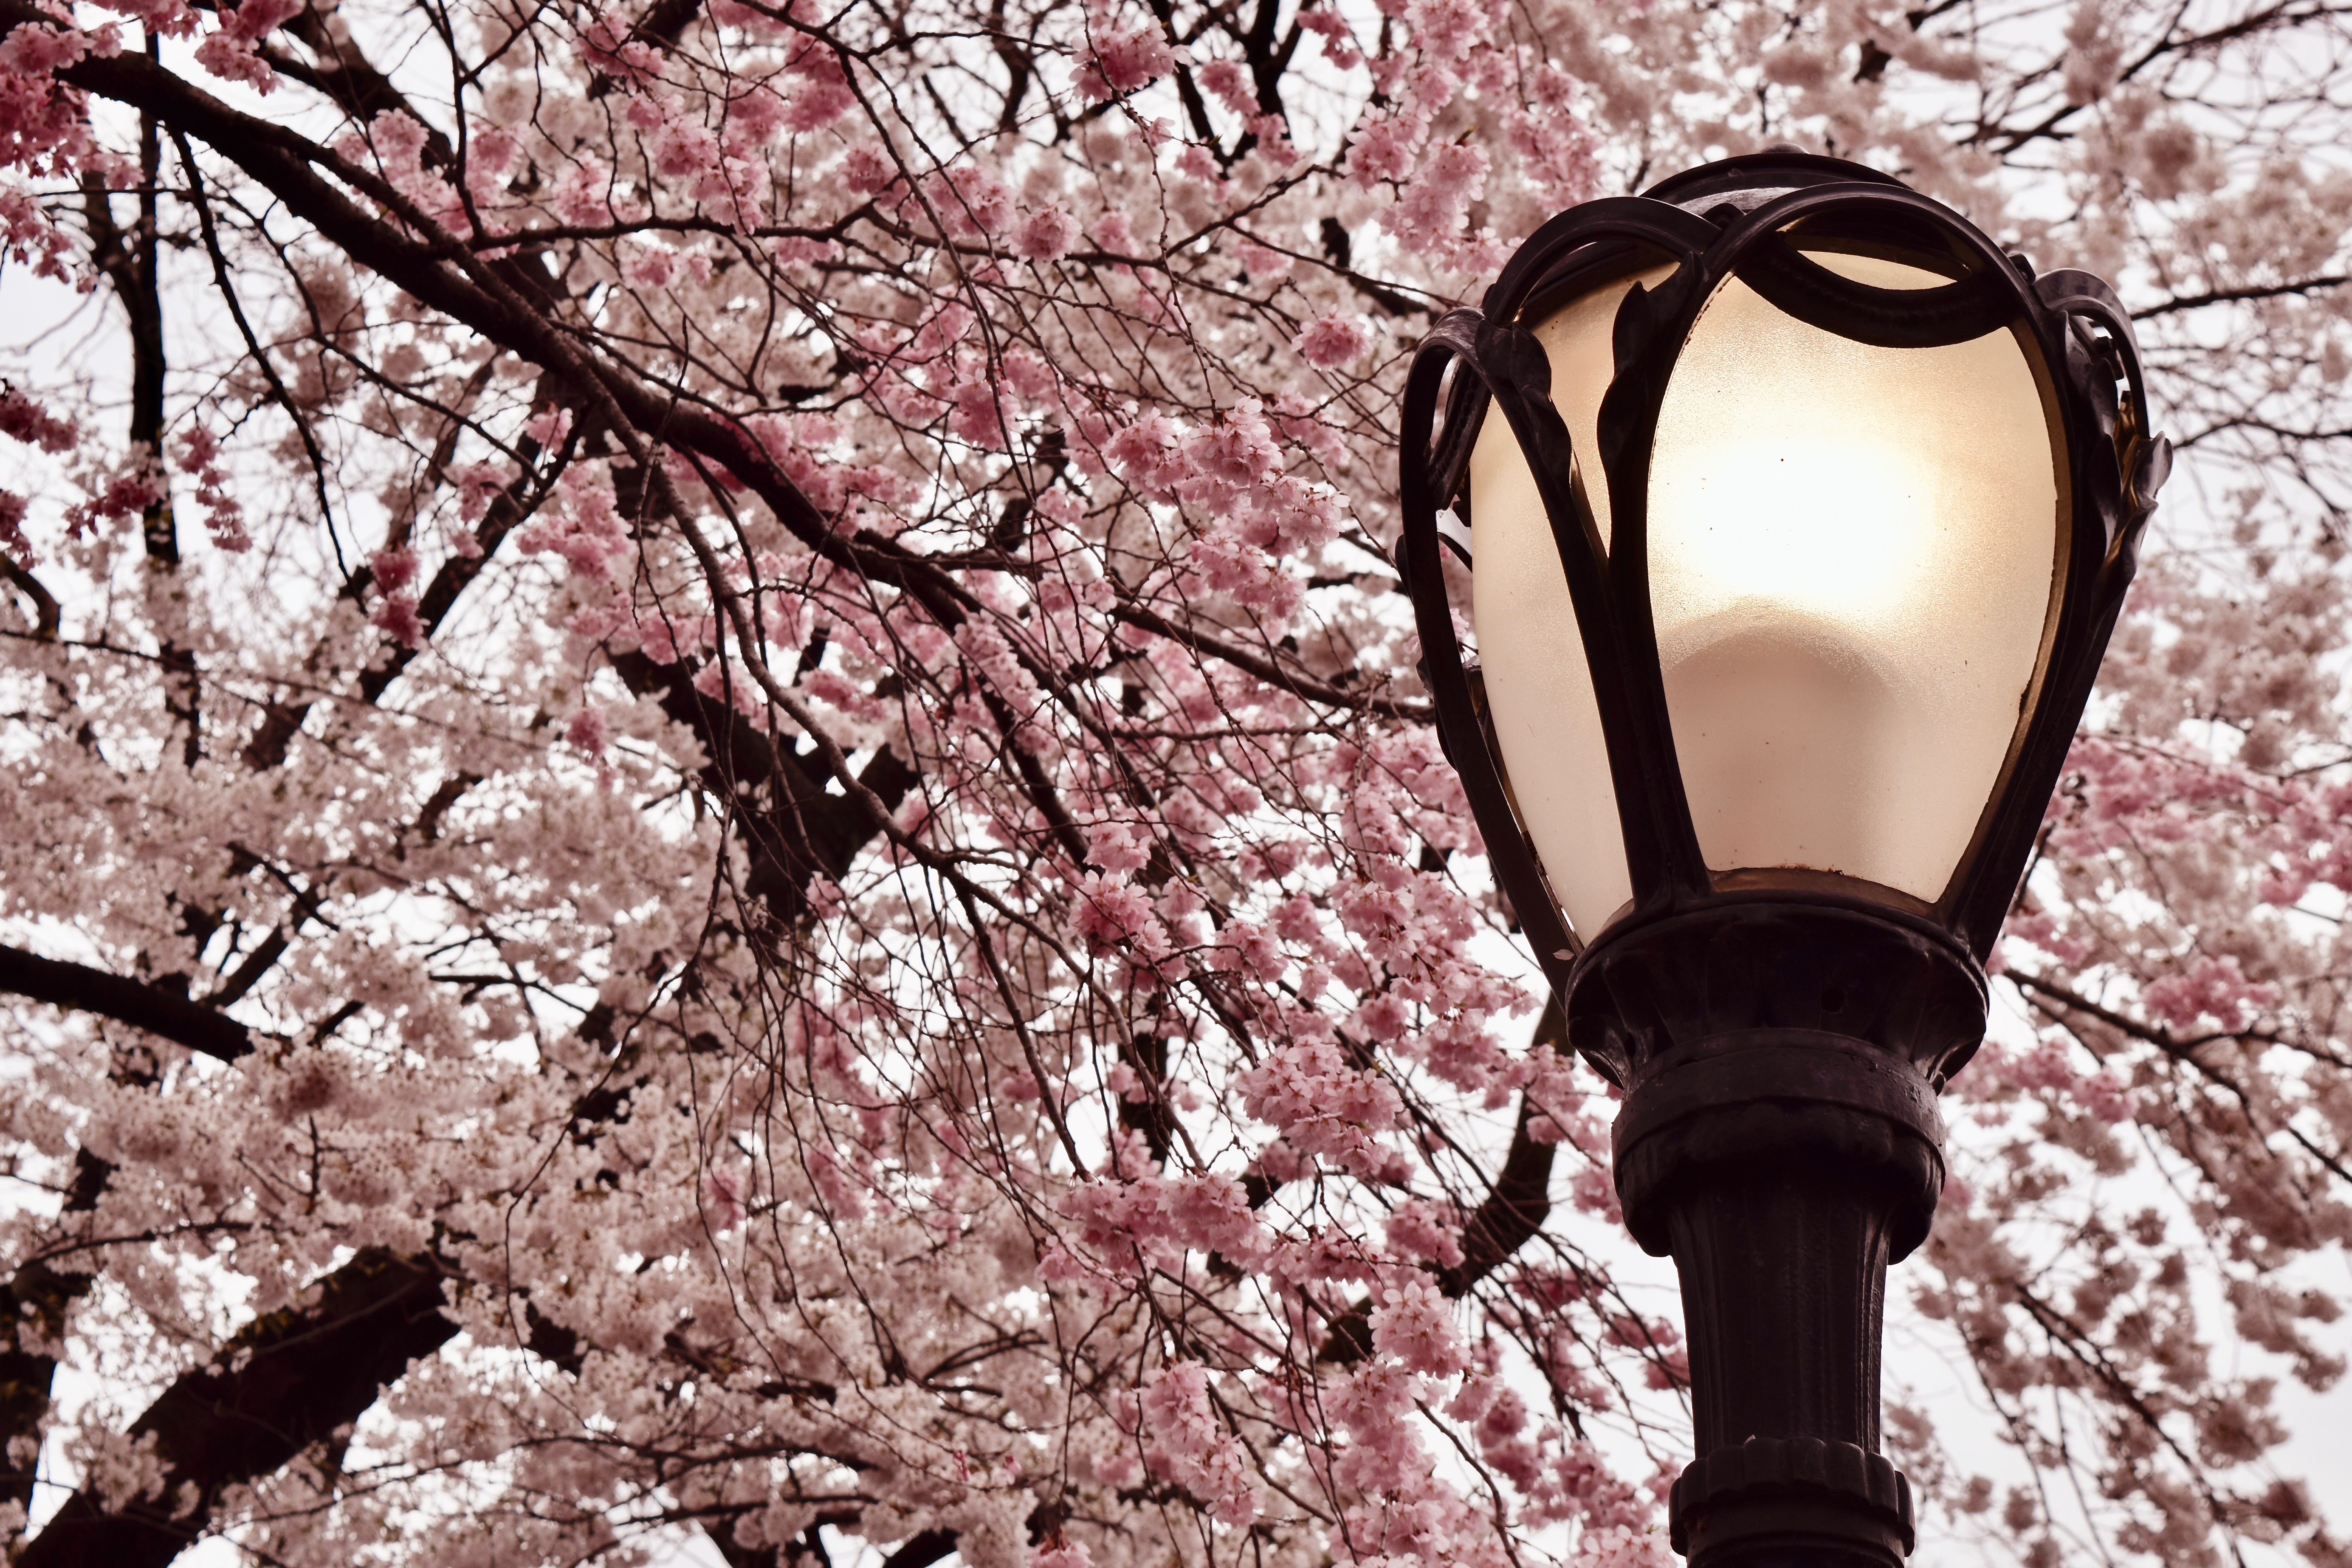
(61, 984)
(2229, 295)
(287, 1381)
(1507, 1219)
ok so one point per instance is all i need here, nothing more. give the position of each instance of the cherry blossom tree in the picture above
(720, 835)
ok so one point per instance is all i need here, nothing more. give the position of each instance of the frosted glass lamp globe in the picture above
(1852, 553)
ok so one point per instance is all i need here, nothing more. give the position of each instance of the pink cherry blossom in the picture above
(722, 821)
(1118, 59)
(1331, 341)
(1046, 234)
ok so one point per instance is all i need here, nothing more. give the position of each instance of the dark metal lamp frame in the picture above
(1780, 1034)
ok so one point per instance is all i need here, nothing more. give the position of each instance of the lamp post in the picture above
(1798, 516)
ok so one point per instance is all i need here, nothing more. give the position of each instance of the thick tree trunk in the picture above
(288, 1381)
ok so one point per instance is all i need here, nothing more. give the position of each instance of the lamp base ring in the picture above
(1651, 991)
(1792, 1497)
(1784, 1033)
(1785, 1100)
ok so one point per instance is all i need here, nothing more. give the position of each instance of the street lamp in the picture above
(1792, 555)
